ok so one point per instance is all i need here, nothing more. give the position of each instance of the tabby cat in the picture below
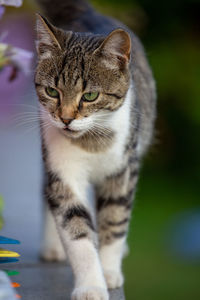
(97, 103)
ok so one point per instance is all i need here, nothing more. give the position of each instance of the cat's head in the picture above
(81, 79)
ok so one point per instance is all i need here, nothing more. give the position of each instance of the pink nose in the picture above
(66, 121)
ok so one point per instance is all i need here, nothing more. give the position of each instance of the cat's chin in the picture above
(72, 133)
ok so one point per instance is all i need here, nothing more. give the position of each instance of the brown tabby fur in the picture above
(88, 52)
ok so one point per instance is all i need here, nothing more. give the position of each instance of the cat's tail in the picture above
(63, 11)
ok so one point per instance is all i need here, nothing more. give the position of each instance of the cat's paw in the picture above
(113, 279)
(54, 254)
(90, 293)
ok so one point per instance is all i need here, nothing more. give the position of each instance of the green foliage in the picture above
(152, 270)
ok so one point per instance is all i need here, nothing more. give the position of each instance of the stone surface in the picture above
(48, 281)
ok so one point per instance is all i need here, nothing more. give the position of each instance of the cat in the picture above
(97, 104)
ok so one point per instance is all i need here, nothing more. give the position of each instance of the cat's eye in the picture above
(90, 96)
(51, 92)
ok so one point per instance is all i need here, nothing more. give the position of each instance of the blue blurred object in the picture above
(5, 240)
(185, 235)
(8, 260)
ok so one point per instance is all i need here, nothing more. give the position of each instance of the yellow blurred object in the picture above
(7, 253)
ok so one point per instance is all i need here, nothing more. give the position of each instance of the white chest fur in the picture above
(74, 164)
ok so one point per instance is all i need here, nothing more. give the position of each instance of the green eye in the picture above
(90, 96)
(52, 92)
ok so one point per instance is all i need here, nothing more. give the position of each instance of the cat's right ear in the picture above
(116, 49)
(47, 40)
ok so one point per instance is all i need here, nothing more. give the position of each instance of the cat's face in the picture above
(81, 79)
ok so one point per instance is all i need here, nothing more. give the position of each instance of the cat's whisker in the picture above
(102, 121)
(26, 115)
(98, 138)
(24, 126)
(45, 128)
(17, 120)
(101, 137)
(25, 122)
(26, 119)
(21, 105)
(103, 128)
(25, 130)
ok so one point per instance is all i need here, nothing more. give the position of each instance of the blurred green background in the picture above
(164, 237)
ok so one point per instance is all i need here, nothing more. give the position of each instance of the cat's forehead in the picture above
(74, 61)
(77, 68)
(82, 43)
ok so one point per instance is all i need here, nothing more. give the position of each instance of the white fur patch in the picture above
(77, 167)
(85, 264)
(90, 292)
(111, 257)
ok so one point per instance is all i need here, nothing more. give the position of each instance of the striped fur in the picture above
(102, 144)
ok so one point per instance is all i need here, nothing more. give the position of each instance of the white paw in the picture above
(53, 254)
(113, 279)
(90, 293)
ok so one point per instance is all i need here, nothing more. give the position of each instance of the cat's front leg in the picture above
(77, 231)
(51, 248)
(114, 202)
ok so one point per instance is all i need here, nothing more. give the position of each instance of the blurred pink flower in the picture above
(16, 3)
(21, 59)
(20, 35)
(18, 58)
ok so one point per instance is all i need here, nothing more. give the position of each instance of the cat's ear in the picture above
(47, 40)
(116, 47)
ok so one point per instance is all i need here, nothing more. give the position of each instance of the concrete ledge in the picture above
(48, 281)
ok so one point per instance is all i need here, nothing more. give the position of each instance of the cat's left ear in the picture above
(116, 47)
(47, 39)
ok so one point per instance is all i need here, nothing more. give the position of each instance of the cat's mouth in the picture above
(69, 129)
(72, 133)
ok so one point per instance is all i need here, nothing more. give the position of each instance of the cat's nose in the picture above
(66, 121)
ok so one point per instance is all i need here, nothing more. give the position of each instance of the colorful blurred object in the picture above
(184, 236)
(8, 253)
(7, 256)
(5, 240)
(11, 272)
(20, 35)
(6, 290)
(18, 59)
